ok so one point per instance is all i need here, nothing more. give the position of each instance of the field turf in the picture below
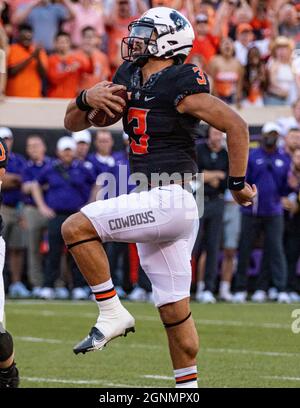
(241, 346)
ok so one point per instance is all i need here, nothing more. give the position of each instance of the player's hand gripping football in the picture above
(101, 96)
(245, 196)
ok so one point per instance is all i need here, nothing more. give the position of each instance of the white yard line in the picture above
(79, 382)
(39, 340)
(157, 377)
(282, 378)
(159, 347)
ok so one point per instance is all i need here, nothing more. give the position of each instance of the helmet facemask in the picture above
(141, 43)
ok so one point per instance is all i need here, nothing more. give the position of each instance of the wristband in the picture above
(81, 101)
(236, 183)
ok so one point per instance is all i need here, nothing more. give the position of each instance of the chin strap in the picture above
(84, 241)
(169, 325)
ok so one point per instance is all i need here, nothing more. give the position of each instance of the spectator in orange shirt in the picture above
(205, 43)
(66, 69)
(27, 65)
(260, 21)
(88, 49)
(227, 73)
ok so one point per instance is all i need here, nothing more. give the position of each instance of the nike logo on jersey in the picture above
(147, 99)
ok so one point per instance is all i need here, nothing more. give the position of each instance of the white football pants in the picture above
(164, 224)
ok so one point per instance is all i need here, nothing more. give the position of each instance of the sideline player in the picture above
(9, 376)
(168, 98)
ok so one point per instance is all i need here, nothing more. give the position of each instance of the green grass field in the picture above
(241, 346)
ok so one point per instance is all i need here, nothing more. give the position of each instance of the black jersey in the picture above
(161, 139)
(3, 163)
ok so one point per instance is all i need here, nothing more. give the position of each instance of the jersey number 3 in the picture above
(201, 77)
(140, 115)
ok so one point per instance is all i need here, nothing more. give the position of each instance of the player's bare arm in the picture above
(219, 115)
(100, 96)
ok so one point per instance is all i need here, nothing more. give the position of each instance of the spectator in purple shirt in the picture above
(268, 170)
(103, 159)
(67, 180)
(104, 162)
(35, 221)
(83, 141)
(12, 214)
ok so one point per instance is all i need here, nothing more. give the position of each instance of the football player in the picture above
(167, 100)
(9, 376)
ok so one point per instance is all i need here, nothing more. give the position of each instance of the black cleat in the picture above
(9, 378)
(96, 340)
(115, 326)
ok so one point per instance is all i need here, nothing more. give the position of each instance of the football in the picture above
(99, 118)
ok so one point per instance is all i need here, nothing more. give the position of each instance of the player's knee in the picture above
(174, 312)
(6, 346)
(168, 314)
(77, 227)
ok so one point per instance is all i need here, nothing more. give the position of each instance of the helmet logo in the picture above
(178, 20)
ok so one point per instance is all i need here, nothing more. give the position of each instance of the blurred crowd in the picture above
(238, 251)
(249, 48)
